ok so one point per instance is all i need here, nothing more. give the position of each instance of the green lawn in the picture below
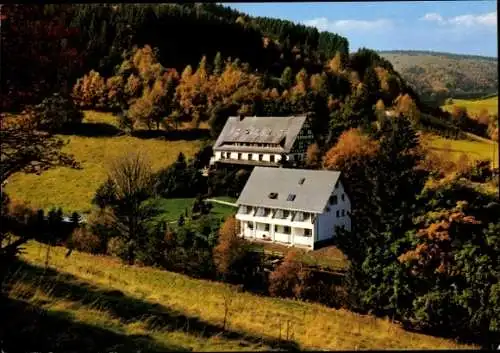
(475, 106)
(173, 208)
(478, 149)
(73, 189)
(107, 306)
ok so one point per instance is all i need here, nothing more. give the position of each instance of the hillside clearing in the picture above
(73, 189)
(475, 106)
(171, 310)
(478, 149)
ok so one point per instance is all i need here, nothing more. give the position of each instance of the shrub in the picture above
(100, 223)
(117, 247)
(82, 239)
(289, 279)
(57, 112)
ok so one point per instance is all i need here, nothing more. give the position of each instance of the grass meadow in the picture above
(104, 304)
(475, 106)
(96, 144)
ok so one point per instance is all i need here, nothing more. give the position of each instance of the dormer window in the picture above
(301, 181)
(273, 195)
(290, 197)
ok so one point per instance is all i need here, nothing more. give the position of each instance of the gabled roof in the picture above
(253, 129)
(310, 196)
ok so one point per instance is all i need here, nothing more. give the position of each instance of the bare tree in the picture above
(131, 178)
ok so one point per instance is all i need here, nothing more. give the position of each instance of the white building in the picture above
(293, 206)
(262, 140)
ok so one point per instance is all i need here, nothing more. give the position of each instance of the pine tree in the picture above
(218, 64)
(287, 78)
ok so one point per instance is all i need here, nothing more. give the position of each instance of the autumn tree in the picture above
(35, 45)
(460, 116)
(90, 91)
(336, 65)
(313, 156)
(115, 88)
(289, 279)
(406, 106)
(449, 263)
(383, 184)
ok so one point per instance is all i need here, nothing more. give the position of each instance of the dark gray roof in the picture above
(254, 129)
(311, 196)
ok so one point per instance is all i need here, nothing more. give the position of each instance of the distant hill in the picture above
(436, 75)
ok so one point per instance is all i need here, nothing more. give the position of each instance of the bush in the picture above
(99, 222)
(57, 112)
(117, 247)
(289, 279)
(83, 240)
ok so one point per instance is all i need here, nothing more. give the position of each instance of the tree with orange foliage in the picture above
(460, 116)
(406, 106)
(289, 279)
(450, 263)
(313, 156)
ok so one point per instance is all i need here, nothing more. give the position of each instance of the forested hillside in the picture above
(441, 75)
(122, 103)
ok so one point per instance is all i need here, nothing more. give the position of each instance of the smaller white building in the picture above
(293, 206)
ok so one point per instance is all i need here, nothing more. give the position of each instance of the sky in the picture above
(462, 27)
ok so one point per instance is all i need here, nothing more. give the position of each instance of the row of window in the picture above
(227, 155)
(286, 229)
(280, 214)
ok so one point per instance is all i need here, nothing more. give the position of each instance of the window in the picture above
(337, 185)
(338, 213)
(343, 213)
(271, 158)
(290, 197)
(286, 230)
(299, 217)
(249, 156)
(333, 200)
(261, 157)
(275, 227)
(239, 155)
(250, 225)
(273, 195)
(286, 214)
(266, 227)
(343, 197)
(301, 181)
(307, 232)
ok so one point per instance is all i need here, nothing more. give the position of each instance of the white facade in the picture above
(294, 227)
(254, 156)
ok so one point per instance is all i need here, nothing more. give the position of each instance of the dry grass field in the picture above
(135, 308)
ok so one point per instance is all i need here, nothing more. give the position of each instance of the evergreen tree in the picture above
(218, 64)
(287, 78)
